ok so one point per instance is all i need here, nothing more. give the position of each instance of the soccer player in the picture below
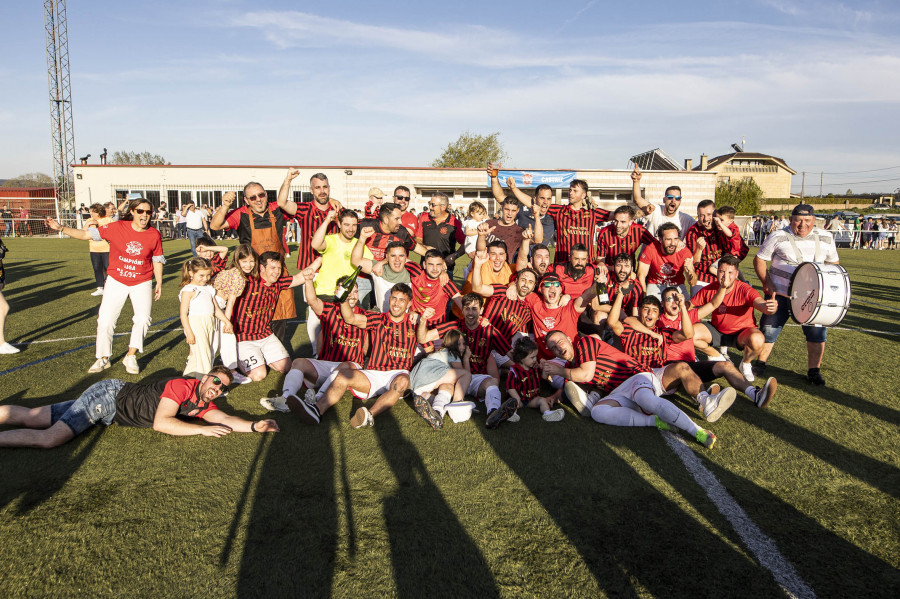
(389, 227)
(667, 212)
(394, 268)
(706, 241)
(619, 392)
(496, 271)
(623, 236)
(164, 406)
(487, 344)
(647, 341)
(549, 313)
(430, 292)
(343, 346)
(576, 275)
(511, 317)
(392, 345)
(663, 265)
(623, 268)
(733, 324)
(540, 255)
(252, 318)
(575, 222)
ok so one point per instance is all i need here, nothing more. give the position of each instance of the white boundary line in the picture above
(756, 541)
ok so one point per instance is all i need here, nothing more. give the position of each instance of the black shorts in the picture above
(720, 339)
(704, 370)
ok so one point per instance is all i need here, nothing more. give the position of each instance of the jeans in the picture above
(100, 263)
(193, 236)
(96, 404)
(771, 324)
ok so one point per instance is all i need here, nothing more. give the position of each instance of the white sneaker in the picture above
(747, 370)
(554, 415)
(100, 365)
(274, 404)
(718, 403)
(724, 350)
(719, 358)
(577, 397)
(309, 398)
(7, 348)
(514, 418)
(131, 365)
(98, 292)
(239, 379)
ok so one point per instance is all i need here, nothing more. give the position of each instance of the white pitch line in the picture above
(756, 541)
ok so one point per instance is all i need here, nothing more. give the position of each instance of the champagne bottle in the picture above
(602, 293)
(343, 290)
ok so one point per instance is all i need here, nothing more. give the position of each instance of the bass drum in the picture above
(820, 294)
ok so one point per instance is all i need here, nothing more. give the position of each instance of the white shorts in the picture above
(624, 392)
(658, 374)
(477, 380)
(324, 368)
(253, 354)
(501, 359)
(379, 381)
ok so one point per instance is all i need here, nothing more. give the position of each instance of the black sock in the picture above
(812, 371)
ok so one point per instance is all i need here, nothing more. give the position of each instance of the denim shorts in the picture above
(771, 324)
(96, 404)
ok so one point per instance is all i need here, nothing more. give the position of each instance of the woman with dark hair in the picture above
(135, 260)
(99, 249)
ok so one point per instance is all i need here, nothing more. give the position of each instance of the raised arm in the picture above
(615, 311)
(315, 303)
(710, 306)
(318, 240)
(687, 327)
(636, 194)
(496, 189)
(83, 234)
(284, 192)
(478, 285)
(357, 253)
(643, 271)
(585, 299)
(524, 198)
(357, 320)
(217, 222)
(483, 231)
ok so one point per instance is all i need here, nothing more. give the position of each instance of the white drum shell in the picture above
(819, 294)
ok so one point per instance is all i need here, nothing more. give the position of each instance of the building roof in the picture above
(725, 158)
(655, 160)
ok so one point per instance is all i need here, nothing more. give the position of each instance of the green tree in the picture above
(30, 180)
(745, 196)
(472, 150)
(849, 192)
(137, 158)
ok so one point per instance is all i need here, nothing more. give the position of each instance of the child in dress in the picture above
(443, 376)
(229, 285)
(523, 384)
(198, 313)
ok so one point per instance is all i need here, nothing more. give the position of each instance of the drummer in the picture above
(800, 241)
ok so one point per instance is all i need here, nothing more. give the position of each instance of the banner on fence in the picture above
(555, 179)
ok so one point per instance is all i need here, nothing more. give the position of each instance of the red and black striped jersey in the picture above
(311, 217)
(610, 245)
(575, 226)
(527, 383)
(253, 310)
(429, 293)
(735, 245)
(631, 300)
(716, 244)
(391, 344)
(571, 286)
(481, 341)
(611, 368)
(380, 240)
(508, 316)
(644, 348)
(371, 210)
(218, 263)
(341, 342)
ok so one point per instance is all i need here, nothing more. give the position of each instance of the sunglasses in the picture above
(218, 382)
(669, 197)
(551, 284)
(402, 197)
(142, 211)
(261, 196)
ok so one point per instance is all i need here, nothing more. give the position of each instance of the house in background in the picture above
(771, 173)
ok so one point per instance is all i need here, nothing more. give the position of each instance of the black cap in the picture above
(803, 210)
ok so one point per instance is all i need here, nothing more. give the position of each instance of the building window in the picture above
(186, 198)
(171, 198)
(152, 197)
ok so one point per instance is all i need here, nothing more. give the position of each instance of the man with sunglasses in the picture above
(667, 212)
(548, 312)
(163, 405)
(409, 221)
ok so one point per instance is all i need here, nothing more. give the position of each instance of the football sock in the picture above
(665, 409)
(492, 398)
(751, 392)
(293, 380)
(440, 402)
(618, 416)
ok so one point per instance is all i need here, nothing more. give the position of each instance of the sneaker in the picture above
(6, 348)
(274, 404)
(554, 415)
(661, 424)
(507, 409)
(308, 414)
(577, 397)
(100, 365)
(724, 350)
(131, 365)
(362, 418)
(707, 438)
(424, 409)
(514, 418)
(309, 398)
(814, 377)
(714, 389)
(765, 395)
(759, 368)
(747, 370)
(98, 292)
(239, 379)
(718, 403)
(719, 358)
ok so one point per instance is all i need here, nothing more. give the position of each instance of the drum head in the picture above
(805, 292)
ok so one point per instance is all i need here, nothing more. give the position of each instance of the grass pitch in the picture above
(530, 510)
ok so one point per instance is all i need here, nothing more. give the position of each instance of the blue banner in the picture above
(555, 179)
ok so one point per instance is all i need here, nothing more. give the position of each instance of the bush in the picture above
(744, 196)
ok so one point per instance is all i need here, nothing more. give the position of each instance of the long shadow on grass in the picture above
(830, 565)
(291, 536)
(633, 539)
(431, 551)
(62, 323)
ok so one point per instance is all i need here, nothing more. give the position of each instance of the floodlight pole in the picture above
(59, 84)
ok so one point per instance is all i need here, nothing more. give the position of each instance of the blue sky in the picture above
(582, 84)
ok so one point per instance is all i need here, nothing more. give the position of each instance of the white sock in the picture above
(293, 380)
(440, 402)
(665, 409)
(750, 392)
(492, 398)
(618, 416)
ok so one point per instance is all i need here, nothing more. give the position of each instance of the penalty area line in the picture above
(762, 547)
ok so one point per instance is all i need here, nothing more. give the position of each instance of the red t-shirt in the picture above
(736, 312)
(683, 351)
(715, 247)
(574, 287)
(429, 293)
(664, 270)
(409, 220)
(735, 244)
(131, 252)
(544, 320)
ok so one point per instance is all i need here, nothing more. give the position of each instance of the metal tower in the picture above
(59, 83)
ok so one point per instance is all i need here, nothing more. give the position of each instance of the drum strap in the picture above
(798, 256)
